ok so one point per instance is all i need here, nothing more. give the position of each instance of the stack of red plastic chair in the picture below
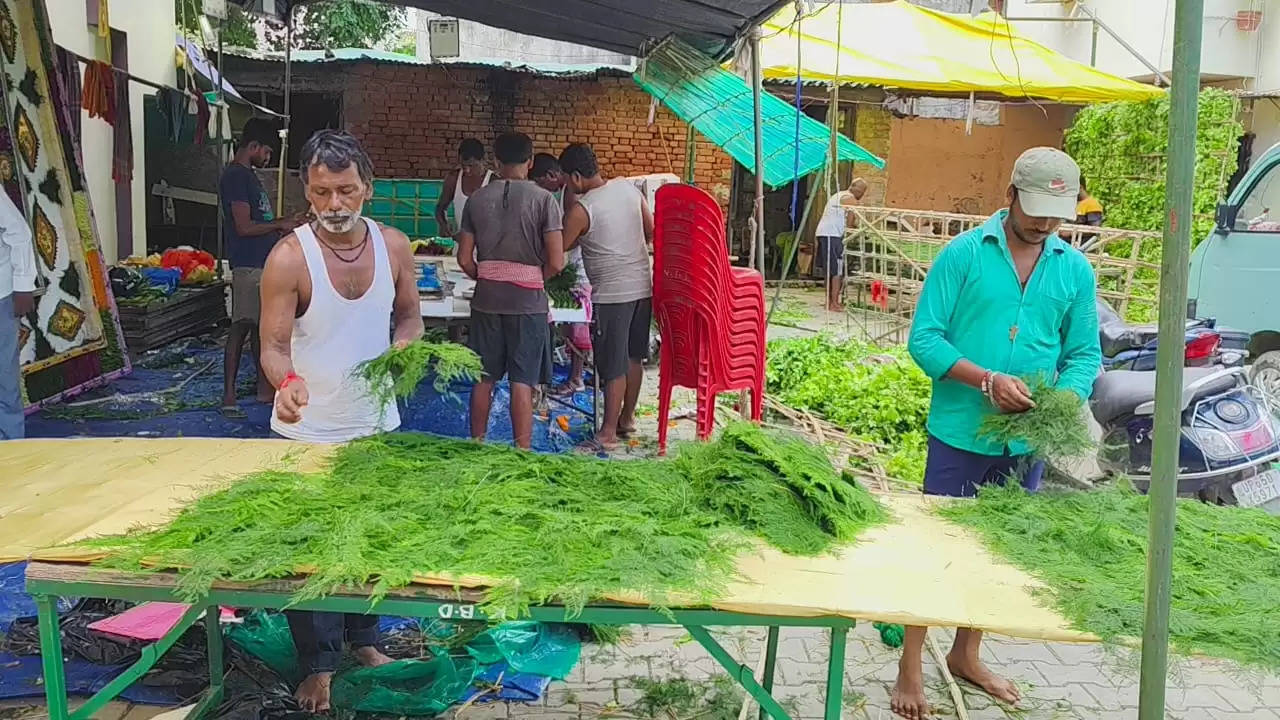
(711, 315)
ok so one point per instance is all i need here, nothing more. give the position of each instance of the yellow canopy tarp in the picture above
(918, 569)
(900, 45)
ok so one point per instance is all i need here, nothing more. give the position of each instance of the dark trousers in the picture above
(319, 637)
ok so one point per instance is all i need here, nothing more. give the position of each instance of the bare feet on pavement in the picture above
(908, 698)
(977, 673)
(370, 656)
(313, 693)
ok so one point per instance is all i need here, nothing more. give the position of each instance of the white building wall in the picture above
(1147, 25)
(149, 25)
(482, 43)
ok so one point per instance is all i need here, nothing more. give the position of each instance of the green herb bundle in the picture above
(560, 287)
(398, 371)
(1054, 429)
(544, 528)
(1090, 549)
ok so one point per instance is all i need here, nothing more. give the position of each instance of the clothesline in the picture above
(158, 86)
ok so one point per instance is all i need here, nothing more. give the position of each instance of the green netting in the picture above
(407, 204)
(405, 687)
(529, 647)
(719, 105)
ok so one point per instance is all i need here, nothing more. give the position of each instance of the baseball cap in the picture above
(1048, 181)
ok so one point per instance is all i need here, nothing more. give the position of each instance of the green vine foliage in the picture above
(1122, 149)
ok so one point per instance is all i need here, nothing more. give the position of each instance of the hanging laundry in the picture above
(122, 148)
(202, 118)
(173, 107)
(98, 95)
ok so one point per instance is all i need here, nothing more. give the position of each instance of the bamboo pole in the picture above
(284, 132)
(1188, 24)
(757, 83)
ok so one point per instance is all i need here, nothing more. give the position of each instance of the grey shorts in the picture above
(621, 335)
(246, 294)
(830, 257)
(518, 346)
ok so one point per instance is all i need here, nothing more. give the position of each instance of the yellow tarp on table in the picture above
(900, 45)
(918, 569)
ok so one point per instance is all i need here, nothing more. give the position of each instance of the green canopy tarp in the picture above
(718, 104)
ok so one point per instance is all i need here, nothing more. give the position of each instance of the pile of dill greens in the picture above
(873, 393)
(398, 371)
(1054, 429)
(1089, 548)
(544, 528)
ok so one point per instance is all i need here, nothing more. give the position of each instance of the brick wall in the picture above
(411, 119)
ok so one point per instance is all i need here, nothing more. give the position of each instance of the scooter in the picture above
(1133, 347)
(1230, 434)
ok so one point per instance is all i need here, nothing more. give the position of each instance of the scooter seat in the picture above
(1120, 392)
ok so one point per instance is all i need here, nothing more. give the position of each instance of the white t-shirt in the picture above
(833, 222)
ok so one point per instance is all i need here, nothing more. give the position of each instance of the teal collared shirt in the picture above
(973, 307)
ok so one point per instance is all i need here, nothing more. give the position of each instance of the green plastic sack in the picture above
(529, 647)
(265, 635)
(404, 687)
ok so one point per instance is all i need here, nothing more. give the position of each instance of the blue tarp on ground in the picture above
(143, 409)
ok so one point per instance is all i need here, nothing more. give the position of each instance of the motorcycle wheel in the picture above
(1265, 373)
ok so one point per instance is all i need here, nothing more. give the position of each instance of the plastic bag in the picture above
(529, 647)
(266, 636)
(404, 687)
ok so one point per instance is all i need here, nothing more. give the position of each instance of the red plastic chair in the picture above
(711, 315)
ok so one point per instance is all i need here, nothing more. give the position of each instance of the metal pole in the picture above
(690, 155)
(1179, 183)
(1093, 47)
(284, 132)
(757, 81)
(219, 147)
(1156, 71)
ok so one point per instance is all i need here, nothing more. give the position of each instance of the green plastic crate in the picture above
(409, 205)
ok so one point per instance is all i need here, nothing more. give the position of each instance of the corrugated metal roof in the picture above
(719, 104)
(347, 55)
(627, 26)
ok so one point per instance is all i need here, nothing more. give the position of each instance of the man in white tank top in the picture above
(459, 185)
(331, 292)
(612, 223)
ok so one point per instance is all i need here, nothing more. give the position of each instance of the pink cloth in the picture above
(513, 273)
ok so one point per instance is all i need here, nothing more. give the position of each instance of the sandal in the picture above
(232, 412)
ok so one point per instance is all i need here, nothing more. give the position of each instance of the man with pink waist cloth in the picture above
(510, 243)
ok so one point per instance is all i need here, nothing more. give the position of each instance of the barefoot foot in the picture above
(370, 656)
(907, 699)
(313, 693)
(974, 671)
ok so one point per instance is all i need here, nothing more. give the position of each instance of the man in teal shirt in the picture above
(1004, 301)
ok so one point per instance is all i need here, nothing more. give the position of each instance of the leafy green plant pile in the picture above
(874, 393)
(398, 371)
(544, 528)
(1054, 429)
(1122, 147)
(1090, 550)
(560, 286)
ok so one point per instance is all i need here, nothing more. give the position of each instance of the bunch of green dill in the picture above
(1054, 429)
(398, 371)
(1090, 550)
(544, 528)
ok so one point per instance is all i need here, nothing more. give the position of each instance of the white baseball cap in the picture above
(1048, 181)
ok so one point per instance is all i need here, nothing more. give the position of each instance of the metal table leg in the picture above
(55, 678)
(835, 673)
(770, 664)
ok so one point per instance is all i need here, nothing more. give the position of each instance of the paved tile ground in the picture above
(1058, 681)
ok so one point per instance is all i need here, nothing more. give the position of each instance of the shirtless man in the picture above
(328, 291)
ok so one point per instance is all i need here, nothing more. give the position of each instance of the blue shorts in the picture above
(959, 473)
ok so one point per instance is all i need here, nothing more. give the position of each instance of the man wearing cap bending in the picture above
(1005, 301)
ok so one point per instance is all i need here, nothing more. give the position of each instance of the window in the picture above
(1260, 211)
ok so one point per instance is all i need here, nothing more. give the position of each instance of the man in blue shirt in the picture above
(1005, 301)
(250, 230)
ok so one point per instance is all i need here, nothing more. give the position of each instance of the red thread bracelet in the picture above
(288, 379)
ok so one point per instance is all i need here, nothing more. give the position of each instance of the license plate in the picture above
(1257, 490)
